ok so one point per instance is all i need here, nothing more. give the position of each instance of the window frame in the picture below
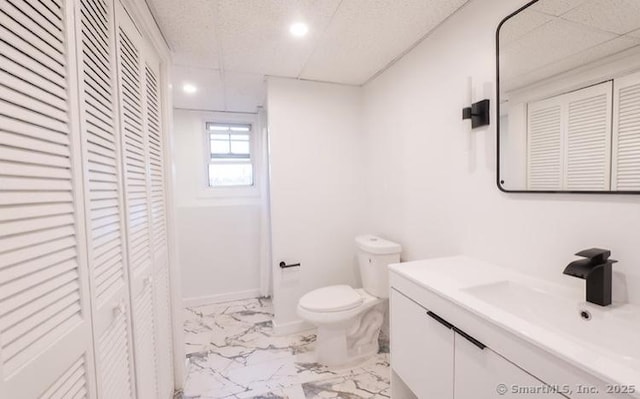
(238, 191)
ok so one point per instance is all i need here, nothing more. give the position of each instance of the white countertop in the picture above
(451, 277)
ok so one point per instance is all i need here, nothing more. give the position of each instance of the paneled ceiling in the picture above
(226, 47)
(555, 36)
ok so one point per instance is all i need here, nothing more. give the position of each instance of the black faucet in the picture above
(596, 269)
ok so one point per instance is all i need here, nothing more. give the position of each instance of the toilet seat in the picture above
(335, 298)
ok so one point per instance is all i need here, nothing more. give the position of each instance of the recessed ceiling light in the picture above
(189, 88)
(299, 29)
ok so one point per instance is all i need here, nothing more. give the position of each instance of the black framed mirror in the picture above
(568, 91)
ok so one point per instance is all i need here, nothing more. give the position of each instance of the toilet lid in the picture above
(334, 298)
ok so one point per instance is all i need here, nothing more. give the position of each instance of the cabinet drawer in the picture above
(421, 349)
(482, 373)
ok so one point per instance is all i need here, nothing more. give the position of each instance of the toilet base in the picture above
(347, 343)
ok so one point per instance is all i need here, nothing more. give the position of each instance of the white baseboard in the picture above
(291, 327)
(218, 298)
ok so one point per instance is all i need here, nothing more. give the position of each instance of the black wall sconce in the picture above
(478, 113)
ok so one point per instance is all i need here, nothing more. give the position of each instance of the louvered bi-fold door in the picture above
(626, 134)
(104, 192)
(545, 145)
(46, 348)
(569, 140)
(131, 80)
(157, 192)
(588, 138)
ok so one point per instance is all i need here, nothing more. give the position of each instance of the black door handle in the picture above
(285, 266)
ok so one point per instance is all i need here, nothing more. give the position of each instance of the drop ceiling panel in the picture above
(255, 34)
(226, 47)
(244, 92)
(618, 16)
(365, 35)
(556, 7)
(210, 94)
(521, 24)
(541, 46)
(577, 60)
(189, 27)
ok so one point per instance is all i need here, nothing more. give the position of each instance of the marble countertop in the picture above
(455, 278)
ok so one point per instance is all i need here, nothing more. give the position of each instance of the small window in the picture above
(230, 161)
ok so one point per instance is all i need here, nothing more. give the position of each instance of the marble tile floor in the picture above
(232, 353)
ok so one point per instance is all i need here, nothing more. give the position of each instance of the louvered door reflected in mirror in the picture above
(569, 98)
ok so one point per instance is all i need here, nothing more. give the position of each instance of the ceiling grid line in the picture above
(155, 21)
(220, 52)
(317, 42)
(414, 45)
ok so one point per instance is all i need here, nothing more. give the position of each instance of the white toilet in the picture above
(349, 319)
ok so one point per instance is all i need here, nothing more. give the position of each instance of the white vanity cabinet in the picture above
(450, 339)
(436, 361)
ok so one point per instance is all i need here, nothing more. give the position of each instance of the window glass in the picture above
(219, 147)
(240, 174)
(240, 147)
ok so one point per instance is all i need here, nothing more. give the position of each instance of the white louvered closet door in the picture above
(569, 141)
(45, 327)
(545, 145)
(588, 138)
(157, 192)
(625, 174)
(131, 77)
(105, 215)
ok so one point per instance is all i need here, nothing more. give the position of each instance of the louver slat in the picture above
(43, 311)
(569, 141)
(145, 341)
(588, 139)
(161, 298)
(114, 360)
(131, 56)
(163, 327)
(99, 140)
(626, 137)
(72, 384)
(158, 212)
(544, 149)
(135, 159)
(105, 211)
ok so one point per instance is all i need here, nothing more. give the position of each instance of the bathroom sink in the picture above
(601, 341)
(611, 331)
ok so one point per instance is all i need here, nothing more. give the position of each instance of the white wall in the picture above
(219, 237)
(317, 191)
(431, 180)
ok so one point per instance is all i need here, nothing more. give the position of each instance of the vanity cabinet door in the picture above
(421, 349)
(482, 373)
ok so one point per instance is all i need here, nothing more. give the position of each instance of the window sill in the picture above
(251, 192)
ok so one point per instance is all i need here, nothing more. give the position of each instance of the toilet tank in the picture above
(375, 254)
